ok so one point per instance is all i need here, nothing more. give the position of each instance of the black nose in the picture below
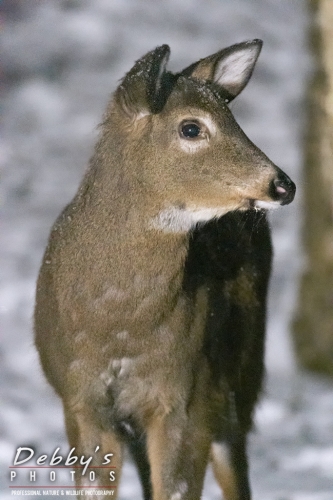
(283, 189)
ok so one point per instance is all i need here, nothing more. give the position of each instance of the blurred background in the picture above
(61, 59)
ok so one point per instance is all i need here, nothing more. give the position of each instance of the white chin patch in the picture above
(267, 205)
(176, 220)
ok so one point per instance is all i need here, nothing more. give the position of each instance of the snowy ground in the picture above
(61, 59)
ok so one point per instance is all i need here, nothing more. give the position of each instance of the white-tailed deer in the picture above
(150, 311)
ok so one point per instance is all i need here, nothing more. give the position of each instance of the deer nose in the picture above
(283, 189)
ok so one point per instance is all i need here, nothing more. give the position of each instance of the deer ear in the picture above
(141, 90)
(231, 68)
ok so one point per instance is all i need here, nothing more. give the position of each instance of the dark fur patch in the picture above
(221, 252)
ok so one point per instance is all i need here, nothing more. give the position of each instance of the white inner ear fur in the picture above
(162, 69)
(233, 70)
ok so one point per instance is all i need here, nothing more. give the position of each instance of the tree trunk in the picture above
(313, 331)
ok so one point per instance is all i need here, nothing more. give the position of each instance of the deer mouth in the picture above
(281, 191)
(263, 205)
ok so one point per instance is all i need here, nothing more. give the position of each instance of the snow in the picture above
(61, 59)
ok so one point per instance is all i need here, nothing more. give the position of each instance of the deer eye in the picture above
(190, 130)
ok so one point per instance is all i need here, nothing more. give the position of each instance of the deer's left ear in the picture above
(230, 68)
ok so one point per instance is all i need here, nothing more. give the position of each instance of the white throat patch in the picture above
(177, 220)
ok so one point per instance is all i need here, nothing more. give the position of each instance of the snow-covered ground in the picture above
(60, 61)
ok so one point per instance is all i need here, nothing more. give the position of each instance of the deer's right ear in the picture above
(141, 90)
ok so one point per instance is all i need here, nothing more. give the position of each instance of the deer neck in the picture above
(144, 259)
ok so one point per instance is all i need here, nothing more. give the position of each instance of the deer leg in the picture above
(178, 451)
(85, 435)
(230, 468)
(138, 452)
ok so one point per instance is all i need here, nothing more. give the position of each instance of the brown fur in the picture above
(121, 336)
